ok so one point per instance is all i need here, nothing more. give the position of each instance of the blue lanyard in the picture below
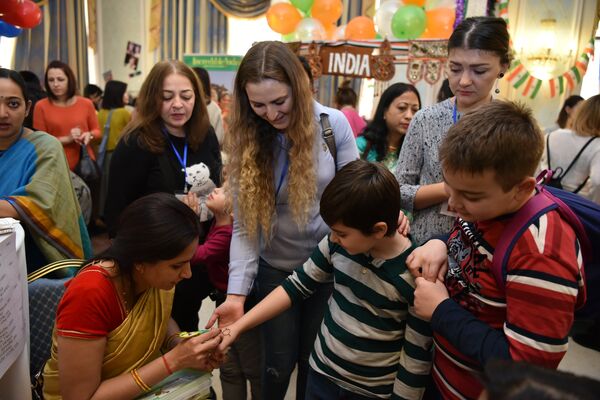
(455, 117)
(284, 169)
(182, 160)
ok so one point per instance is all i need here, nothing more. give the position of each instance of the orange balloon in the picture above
(440, 23)
(360, 28)
(331, 31)
(419, 3)
(283, 18)
(327, 11)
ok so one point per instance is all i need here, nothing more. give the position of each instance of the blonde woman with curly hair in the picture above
(279, 167)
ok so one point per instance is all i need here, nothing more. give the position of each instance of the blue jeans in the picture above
(319, 387)
(288, 338)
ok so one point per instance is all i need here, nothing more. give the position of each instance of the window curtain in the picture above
(242, 8)
(60, 36)
(191, 26)
(328, 85)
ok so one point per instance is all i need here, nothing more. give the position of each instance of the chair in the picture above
(46, 287)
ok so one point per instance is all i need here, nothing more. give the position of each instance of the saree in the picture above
(35, 181)
(132, 344)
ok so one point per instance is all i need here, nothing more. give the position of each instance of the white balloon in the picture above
(340, 32)
(384, 15)
(310, 29)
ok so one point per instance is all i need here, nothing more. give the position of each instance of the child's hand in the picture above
(428, 296)
(230, 335)
(429, 261)
(227, 313)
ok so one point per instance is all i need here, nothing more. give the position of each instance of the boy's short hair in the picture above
(501, 136)
(360, 195)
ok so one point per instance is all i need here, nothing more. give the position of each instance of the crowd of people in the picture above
(364, 260)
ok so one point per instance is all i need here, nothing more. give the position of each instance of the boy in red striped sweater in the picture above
(488, 160)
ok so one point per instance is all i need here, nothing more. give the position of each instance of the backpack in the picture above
(581, 214)
(329, 137)
(556, 181)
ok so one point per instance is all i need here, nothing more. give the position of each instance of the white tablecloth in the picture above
(14, 383)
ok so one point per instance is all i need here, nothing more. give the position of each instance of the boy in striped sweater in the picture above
(488, 160)
(370, 344)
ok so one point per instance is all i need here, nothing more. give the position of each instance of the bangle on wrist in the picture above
(138, 381)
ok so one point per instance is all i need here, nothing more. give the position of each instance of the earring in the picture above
(501, 75)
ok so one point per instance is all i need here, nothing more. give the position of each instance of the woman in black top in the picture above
(170, 134)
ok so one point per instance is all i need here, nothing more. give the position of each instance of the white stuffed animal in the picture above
(198, 177)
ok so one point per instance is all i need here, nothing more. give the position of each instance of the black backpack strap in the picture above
(329, 137)
(577, 157)
(548, 149)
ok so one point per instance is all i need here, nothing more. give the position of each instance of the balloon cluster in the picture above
(18, 14)
(308, 20)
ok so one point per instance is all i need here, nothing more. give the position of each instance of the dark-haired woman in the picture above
(382, 139)
(345, 101)
(35, 187)
(113, 321)
(112, 118)
(169, 147)
(70, 118)
(478, 56)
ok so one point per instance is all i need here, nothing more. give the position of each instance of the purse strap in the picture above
(105, 135)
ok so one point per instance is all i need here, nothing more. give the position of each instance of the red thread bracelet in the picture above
(169, 370)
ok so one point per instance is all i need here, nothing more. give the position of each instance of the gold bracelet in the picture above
(138, 381)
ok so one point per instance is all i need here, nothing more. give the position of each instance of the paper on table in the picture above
(12, 323)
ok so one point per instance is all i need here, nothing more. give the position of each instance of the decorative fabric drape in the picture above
(242, 8)
(191, 26)
(60, 36)
(328, 85)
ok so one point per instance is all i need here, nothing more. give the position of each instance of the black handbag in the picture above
(87, 168)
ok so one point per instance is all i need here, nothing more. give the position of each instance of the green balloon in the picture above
(290, 37)
(302, 5)
(408, 22)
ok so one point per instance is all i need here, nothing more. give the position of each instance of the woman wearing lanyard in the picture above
(170, 133)
(279, 167)
(478, 56)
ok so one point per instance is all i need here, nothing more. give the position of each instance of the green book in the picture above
(188, 384)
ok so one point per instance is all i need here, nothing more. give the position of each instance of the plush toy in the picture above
(198, 177)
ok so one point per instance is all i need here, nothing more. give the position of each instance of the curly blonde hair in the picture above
(251, 139)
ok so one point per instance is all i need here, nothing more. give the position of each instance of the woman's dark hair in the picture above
(563, 116)
(482, 33)
(16, 78)
(445, 92)
(376, 131)
(506, 380)
(92, 90)
(345, 95)
(113, 95)
(152, 228)
(202, 74)
(71, 81)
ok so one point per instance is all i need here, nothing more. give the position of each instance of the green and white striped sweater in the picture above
(370, 341)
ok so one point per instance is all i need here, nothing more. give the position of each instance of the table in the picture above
(14, 307)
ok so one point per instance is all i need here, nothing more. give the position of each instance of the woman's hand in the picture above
(429, 261)
(199, 352)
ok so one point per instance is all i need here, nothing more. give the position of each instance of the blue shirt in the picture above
(291, 244)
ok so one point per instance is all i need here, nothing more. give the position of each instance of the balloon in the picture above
(9, 30)
(431, 4)
(383, 17)
(408, 22)
(331, 32)
(310, 29)
(283, 18)
(302, 5)
(8, 5)
(360, 28)
(418, 3)
(327, 11)
(25, 15)
(440, 23)
(290, 37)
(340, 32)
